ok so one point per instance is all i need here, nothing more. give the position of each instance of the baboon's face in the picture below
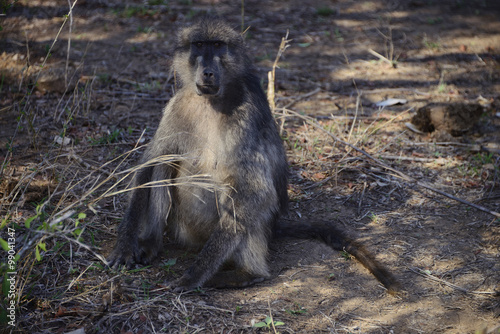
(209, 57)
(206, 57)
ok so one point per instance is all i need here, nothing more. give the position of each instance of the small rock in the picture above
(77, 331)
(62, 141)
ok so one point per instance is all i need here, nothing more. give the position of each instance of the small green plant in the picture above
(146, 287)
(97, 266)
(157, 2)
(435, 20)
(442, 87)
(144, 30)
(297, 310)
(38, 213)
(40, 245)
(4, 6)
(338, 35)
(268, 323)
(78, 231)
(325, 11)
(104, 77)
(199, 290)
(166, 266)
(483, 158)
(431, 45)
(42, 228)
(106, 139)
(462, 170)
(149, 86)
(346, 255)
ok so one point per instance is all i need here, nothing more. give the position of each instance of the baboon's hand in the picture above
(128, 252)
(121, 256)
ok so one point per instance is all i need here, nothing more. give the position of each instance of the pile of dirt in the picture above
(453, 118)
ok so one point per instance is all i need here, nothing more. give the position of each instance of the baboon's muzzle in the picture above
(207, 89)
(208, 77)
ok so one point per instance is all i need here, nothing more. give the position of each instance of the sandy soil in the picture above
(101, 94)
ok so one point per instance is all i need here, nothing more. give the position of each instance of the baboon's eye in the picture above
(199, 44)
(217, 44)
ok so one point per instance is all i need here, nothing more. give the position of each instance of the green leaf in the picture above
(171, 262)
(260, 324)
(97, 265)
(278, 323)
(28, 221)
(5, 285)
(4, 222)
(42, 246)
(4, 245)
(37, 254)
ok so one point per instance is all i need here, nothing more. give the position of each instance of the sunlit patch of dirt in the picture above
(70, 138)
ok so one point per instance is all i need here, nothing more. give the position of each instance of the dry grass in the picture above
(63, 199)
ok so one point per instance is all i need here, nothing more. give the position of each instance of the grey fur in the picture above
(220, 121)
(226, 130)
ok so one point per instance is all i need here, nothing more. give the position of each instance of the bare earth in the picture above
(101, 95)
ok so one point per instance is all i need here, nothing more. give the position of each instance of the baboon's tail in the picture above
(338, 240)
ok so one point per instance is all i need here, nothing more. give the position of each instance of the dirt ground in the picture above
(75, 102)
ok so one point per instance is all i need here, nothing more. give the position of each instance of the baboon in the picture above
(219, 120)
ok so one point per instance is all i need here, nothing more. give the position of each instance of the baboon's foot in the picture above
(121, 257)
(126, 254)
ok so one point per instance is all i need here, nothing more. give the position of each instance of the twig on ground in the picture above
(70, 14)
(485, 147)
(301, 97)
(271, 315)
(271, 75)
(385, 90)
(379, 56)
(360, 204)
(451, 285)
(402, 158)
